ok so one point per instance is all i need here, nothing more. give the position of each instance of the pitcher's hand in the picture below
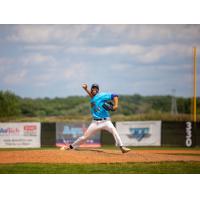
(84, 86)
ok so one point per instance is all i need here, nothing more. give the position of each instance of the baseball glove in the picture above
(108, 105)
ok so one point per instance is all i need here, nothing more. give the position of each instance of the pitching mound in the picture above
(96, 156)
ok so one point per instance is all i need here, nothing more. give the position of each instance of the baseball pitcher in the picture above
(101, 104)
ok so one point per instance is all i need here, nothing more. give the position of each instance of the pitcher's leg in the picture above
(90, 131)
(110, 128)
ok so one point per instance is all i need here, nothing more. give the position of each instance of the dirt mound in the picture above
(96, 156)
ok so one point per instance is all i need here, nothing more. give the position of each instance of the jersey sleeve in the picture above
(113, 95)
(109, 96)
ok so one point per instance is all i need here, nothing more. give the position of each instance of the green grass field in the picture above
(117, 168)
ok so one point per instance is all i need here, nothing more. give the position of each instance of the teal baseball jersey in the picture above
(97, 111)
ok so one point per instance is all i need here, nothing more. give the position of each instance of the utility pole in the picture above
(194, 86)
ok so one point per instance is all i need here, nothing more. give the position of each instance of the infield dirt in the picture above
(96, 156)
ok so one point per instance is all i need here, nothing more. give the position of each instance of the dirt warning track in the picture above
(96, 156)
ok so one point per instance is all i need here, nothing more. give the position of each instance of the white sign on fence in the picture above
(140, 133)
(20, 135)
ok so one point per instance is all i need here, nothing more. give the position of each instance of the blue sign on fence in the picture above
(67, 133)
(139, 133)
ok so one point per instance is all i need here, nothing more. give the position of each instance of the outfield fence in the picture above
(143, 133)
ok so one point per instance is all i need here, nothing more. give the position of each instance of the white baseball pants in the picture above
(97, 126)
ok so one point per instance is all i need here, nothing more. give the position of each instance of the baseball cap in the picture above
(95, 85)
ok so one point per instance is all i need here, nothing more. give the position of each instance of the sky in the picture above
(54, 60)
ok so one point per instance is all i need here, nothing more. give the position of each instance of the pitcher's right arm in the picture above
(84, 86)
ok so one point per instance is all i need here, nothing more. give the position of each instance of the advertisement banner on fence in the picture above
(67, 133)
(19, 135)
(140, 133)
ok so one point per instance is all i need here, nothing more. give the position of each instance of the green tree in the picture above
(9, 104)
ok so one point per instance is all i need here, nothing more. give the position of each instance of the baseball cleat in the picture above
(125, 149)
(64, 148)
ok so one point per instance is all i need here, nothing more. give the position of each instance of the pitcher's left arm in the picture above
(115, 100)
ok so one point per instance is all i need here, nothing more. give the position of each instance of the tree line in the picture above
(14, 105)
